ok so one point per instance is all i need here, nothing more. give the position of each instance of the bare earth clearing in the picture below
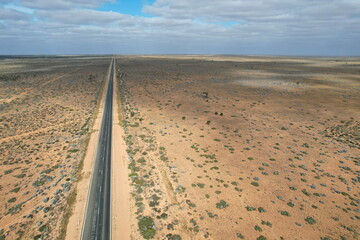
(242, 147)
(47, 107)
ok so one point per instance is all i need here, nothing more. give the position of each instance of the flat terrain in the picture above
(47, 106)
(217, 147)
(242, 147)
(97, 223)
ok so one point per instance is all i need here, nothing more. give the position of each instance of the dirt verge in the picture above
(75, 222)
(120, 188)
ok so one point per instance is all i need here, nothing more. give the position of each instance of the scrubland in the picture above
(225, 147)
(218, 147)
(47, 106)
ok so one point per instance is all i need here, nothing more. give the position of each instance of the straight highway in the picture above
(97, 222)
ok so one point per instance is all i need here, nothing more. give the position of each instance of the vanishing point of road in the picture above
(97, 222)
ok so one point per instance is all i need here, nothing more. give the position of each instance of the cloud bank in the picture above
(280, 27)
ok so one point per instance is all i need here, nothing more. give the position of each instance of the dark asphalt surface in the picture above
(97, 223)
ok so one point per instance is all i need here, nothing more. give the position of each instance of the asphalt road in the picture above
(97, 222)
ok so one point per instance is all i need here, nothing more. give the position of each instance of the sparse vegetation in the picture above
(147, 227)
(240, 142)
(310, 220)
(222, 204)
(44, 120)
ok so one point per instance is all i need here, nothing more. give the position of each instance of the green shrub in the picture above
(285, 213)
(256, 184)
(73, 150)
(20, 175)
(310, 220)
(239, 235)
(261, 210)
(261, 238)
(222, 204)
(249, 208)
(15, 190)
(146, 227)
(290, 204)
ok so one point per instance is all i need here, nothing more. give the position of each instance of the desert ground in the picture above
(47, 106)
(217, 147)
(251, 147)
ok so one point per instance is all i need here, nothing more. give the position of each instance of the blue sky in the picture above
(273, 27)
(131, 7)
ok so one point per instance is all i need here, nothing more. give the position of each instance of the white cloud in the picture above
(62, 4)
(85, 17)
(254, 10)
(19, 8)
(186, 26)
(12, 14)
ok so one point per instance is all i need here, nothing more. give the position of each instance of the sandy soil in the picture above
(122, 214)
(242, 147)
(43, 137)
(75, 224)
(218, 147)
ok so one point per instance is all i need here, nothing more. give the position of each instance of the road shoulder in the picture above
(120, 188)
(75, 224)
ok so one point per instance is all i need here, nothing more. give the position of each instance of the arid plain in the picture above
(47, 106)
(219, 147)
(243, 147)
